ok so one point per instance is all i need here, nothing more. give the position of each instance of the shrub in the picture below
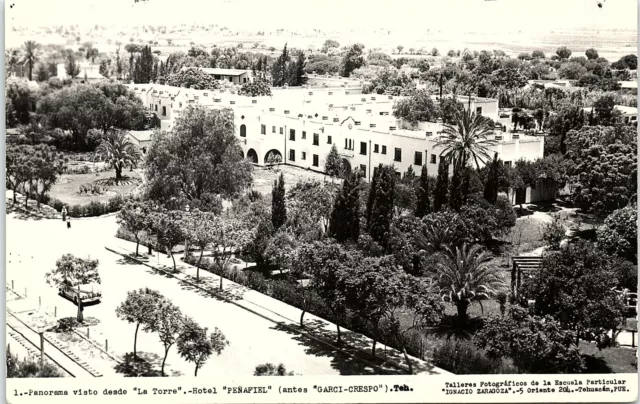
(75, 211)
(57, 204)
(463, 358)
(94, 208)
(553, 233)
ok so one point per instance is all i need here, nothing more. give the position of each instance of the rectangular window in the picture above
(397, 155)
(363, 148)
(273, 129)
(479, 111)
(281, 130)
(433, 159)
(164, 111)
(316, 139)
(376, 148)
(507, 163)
(315, 160)
(417, 159)
(292, 155)
(363, 170)
(329, 140)
(346, 144)
(263, 129)
(384, 149)
(292, 134)
(156, 107)
(304, 156)
(304, 135)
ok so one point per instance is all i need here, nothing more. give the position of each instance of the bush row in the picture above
(93, 208)
(464, 358)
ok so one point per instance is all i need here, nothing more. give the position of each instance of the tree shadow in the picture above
(596, 365)
(146, 364)
(22, 214)
(345, 364)
(66, 324)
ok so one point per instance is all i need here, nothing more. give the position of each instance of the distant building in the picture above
(141, 138)
(89, 73)
(20, 69)
(628, 85)
(629, 114)
(235, 76)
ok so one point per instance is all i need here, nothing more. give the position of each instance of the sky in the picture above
(493, 16)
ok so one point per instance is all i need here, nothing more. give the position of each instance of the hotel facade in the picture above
(300, 125)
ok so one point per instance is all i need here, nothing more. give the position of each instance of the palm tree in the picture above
(465, 277)
(467, 140)
(30, 48)
(119, 151)
(435, 239)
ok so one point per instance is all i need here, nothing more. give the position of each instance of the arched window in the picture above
(243, 130)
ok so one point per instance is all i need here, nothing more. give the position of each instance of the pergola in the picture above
(523, 264)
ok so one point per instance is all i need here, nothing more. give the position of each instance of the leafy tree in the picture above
(118, 108)
(575, 286)
(169, 231)
(466, 141)
(537, 54)
(72, 272)
(333, 163)
(230, 236)
(563, 52)
(196, 345)
(442, 185)
(168, 322)
(192, 77)
(320, 63)
(571, 71)
(535, 344)
(119, 151)
(373, 289)
(313, 199)
(450, 110)
(352, 60)
(28, 367)
(619, 234)
(382, 206)
(423, 201)
(197, 227)
(30, 50)
(465, 276)
(19, 101)
(257, 88)
(46, 166)
(278, 206)
(200, 155)
(419, 107)
(280, 68)
(269, 369)
(18, 166)
(591, 54)
(139, 308)
(602, 167)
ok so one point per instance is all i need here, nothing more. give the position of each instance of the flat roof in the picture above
(223, 72)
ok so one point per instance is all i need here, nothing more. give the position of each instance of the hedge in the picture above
(92, 209)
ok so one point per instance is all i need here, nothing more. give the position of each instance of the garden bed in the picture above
(263, 178)
(67, 188)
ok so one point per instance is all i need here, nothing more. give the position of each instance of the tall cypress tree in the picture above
(442, 185)
(280, 69)
(372, 192)
(423, 205)
(456, 199)
(382, 207)
(409, 176)
(345, 217)
(491, 185)
(278, 207)
(300, 75)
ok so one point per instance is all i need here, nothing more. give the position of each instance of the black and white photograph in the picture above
(230, 189)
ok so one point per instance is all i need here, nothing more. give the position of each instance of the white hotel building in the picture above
(301, 125)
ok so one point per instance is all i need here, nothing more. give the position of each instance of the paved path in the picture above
(274, 310)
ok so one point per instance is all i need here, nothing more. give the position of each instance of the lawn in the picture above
(67, 188)
(526, 235)
(263, 178)
(609, 360)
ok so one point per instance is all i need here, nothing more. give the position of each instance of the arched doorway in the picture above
(273, 156)
(243, 130)
(346, 167)
(252, 156)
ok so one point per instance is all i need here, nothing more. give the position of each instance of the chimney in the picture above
(391, 97)
(272, 110)
(439, 120)
(392, 128)
(330, 105)
(368, 111)
(310, 92)
(363, 99)
(373, 98)
(324, 118)
(254, 101)
(286, 112)
(330, 92)
(232, 102)
(372, 125)
(217, 100)
(357, 123)
(336, 119)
